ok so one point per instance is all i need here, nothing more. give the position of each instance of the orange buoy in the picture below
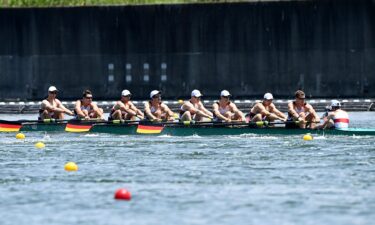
(123, 194)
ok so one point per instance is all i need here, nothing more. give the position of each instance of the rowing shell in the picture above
(201, 130)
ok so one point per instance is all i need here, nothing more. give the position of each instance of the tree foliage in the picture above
(57, 3)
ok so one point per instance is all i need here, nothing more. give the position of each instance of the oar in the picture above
(218, 123)
(43, 121)
(77, 126)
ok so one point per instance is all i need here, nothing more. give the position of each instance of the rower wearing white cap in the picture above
(336, 118)
(156, 110)
(266, 110)
(51, 107)
(225, 110)
(194, 108)
(125, 109)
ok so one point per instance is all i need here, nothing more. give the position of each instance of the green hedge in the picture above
(45, 3)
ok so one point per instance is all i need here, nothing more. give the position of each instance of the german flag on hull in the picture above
(6, 126)
(147, 129)
(76, 128)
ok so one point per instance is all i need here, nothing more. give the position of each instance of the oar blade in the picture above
(77, 127)
(149, 129)
(9, 126)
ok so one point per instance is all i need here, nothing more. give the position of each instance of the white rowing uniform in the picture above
(341, 120)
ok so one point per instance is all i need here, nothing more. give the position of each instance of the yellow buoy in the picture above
(307, 137)
(20, 136)
(180, 101)
(40, 145)
(71, 166)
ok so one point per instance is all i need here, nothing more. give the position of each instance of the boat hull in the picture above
(173, 130)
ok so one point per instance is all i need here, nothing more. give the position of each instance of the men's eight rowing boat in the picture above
(225, 119)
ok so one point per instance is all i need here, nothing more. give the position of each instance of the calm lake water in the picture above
(249, 179)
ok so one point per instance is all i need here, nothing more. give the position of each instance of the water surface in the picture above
(247, 179)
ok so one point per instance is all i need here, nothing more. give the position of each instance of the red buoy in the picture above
(123, 194)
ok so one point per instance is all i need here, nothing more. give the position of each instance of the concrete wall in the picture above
(325, 47)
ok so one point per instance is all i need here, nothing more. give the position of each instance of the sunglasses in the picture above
(225, 96)
(88, 97)
(53, 92)
(156, 96)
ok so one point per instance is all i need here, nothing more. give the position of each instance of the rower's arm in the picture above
(261, 109)
(97, 110)
(207, 113)
(61, 108)
(78, 109)
(237, 111)
(128, 110)
(278, 113)
(215, 109)
(292, 111)
(148, 112)
(138, 112)
(168, 111)
(329, 119)
(312, 111)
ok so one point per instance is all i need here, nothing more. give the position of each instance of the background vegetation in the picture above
(47, 3)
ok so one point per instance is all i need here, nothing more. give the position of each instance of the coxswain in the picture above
(86, 109)
(125, 109)
(194, 109)
(266, 110)
(335, 118)
(156, 110)
(52, 108)
(300, 111)
(225, 110)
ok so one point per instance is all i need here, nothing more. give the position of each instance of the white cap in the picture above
(154, 92)
(268, 96)
(224, 93)
(52, 88)
(335, 103)
(125, 93)
(196, 93)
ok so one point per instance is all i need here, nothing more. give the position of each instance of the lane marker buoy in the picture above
(123, 194)
(40, 145)
(20, 136)
(307, 137)
(71, 166)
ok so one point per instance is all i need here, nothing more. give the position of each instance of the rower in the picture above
(125, 109)
(194, 109)
(300, 111)
(225, 110)
(266, 110)
(51, 107)
(86, 109)
(156, 110)
(336, 117)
